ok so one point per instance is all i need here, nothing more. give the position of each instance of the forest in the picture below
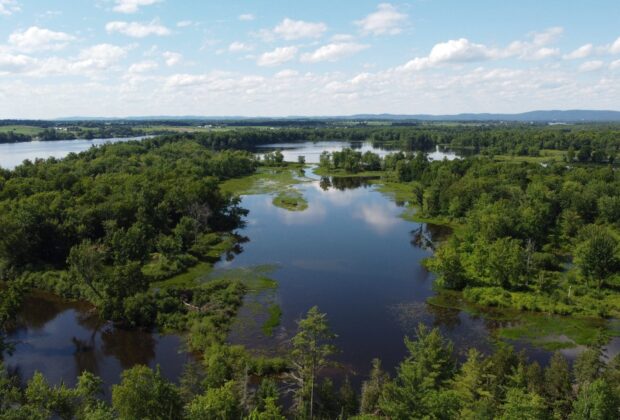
(117, 224)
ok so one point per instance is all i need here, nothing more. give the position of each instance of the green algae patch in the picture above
(550, 332)
(275, 315)
(266, 180)
(291, 200)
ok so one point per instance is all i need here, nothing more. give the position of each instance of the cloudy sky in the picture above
(306, 57)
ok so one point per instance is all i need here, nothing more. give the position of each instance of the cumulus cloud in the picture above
(615, 47)
(8, 7)
(453, 51)
(387, 20)
(99, 57)
(614, 65)
(581, 52)
(463, 50)
(137, 29)
(15, 63)
(277, 56)
(214, 82)
(290, 30)
(288, 73)
(246, 17)
(537, 47)
(238, 47)
(172, 58)
(93, 61)
(35, 38)
(143, 66)
(132, 6)
(593, 65)
(333, 52)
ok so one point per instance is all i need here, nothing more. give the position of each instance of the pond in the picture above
(13, 154)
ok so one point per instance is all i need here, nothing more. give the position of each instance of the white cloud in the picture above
(547, 36)
(591, 66)
(143, 66)
(93, 62)
(290, 29)
(137, 29)
(35, 38)
(615, 47)
(542, 53)
(614, 65)
(387, 20)
(452, 51)
(246, 17)
(132, 6)
(277, 56)
(463, 51)
(288, 73)
(8, 7)
(15, 63)
(184, 23)
(333, 52)
(460, 50)
(342, 38)
(239, 47)
(536, 48)
(172, 58)
(100, 56)
(581, 52)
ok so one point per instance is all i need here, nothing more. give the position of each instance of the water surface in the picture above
(13, 154)
(311, 151)
(63, 339)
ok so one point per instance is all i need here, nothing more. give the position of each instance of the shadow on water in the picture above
(62, 339)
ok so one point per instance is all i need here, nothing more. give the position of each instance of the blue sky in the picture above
(277, 58)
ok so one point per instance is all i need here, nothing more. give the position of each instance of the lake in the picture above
(349, 253)
(13, 154)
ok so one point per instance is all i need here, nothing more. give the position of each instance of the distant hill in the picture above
(532, 116)
(568, 116)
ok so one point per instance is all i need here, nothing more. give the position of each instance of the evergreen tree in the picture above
(373, 388)
(418, 389)
(558, 388)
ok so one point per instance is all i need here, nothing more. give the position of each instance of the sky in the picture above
(119, 58)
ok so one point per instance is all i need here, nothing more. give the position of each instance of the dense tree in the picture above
(558, 388)
(523, 405)
(146, 394)
(595, 402)
(217, 403)
(418, 389)
(596, 253)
